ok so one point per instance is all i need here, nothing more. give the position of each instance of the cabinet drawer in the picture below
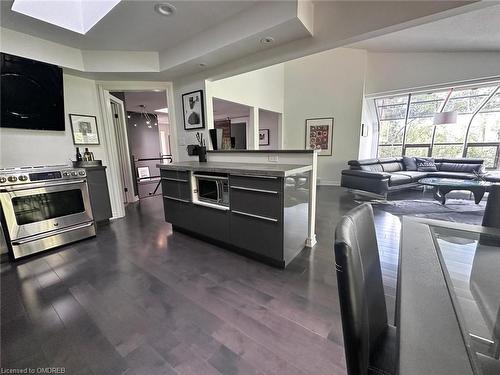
(176, 175)
(178, 213)
(256, 182)
(256, 235)
(267, 204)
(176, 189)
(211, 222)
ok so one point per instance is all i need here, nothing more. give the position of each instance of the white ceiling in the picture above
(223, 35)
(478, 30)
(152, 99)
(224, 109)
(131, 25)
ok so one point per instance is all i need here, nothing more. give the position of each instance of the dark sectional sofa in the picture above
(381, 176)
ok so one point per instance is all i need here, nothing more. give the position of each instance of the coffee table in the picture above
(443, 186)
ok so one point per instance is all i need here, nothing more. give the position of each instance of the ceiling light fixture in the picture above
(445, 118)
(146, 115)
(165, 9)
(267, 40)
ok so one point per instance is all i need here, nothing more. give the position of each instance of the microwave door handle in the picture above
(220, 193)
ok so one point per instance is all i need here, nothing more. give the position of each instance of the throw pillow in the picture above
(425, 165)
(409, 163)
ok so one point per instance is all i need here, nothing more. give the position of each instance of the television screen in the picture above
(31, 94)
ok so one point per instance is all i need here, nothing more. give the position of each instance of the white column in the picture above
(253, 129)
(311, 236)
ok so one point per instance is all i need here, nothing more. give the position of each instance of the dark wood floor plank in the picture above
(141, 299)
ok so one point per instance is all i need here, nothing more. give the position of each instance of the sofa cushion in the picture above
(409, 163)
(425, 165)
(399, 179)
(394, 166)
(414, 175)
(376, 167)
(457, 175)
(460, 167)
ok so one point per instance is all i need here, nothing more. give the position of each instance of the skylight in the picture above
(75, 15)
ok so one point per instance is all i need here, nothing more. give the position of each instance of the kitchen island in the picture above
(261, 210)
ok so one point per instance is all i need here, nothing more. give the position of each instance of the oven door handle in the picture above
(8, 189)
(51, 233)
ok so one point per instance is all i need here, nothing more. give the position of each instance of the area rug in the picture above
(456, 210)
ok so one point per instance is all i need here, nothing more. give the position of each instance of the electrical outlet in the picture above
(273, 158)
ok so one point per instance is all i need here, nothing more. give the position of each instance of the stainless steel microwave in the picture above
(212, 189)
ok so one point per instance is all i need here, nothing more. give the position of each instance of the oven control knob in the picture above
(3, 180)
(12, 178)
(73, 173)
(81, 173)
(65, 174)
(23, 178)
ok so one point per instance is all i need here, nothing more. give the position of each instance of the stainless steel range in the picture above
(44, 207)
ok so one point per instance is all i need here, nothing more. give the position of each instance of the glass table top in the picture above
(471, 265)
(438, 181)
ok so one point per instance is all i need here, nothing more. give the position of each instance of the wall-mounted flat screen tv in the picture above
(32, 95)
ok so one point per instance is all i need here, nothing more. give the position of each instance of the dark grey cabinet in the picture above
(254, 224)
(257, 235)
(99, 193)
(256, 215)
(212, 223)
(178, 213)
(176, 190)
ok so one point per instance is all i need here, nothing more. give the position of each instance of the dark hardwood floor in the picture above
(139, 299)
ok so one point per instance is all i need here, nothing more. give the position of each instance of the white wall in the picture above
(270, 120)
(327, 84)
(261, 88)
(39, 147)
(187, 137)
(390, 72)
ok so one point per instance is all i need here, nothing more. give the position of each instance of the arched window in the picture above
(484, 133)
(406, 124)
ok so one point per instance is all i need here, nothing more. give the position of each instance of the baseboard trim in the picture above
(328, 183)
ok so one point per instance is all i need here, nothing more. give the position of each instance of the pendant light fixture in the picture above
(148, 117)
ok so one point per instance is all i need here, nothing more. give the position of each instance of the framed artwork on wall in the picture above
(319, 135)
(263, 137)
(84, 129)
(192, 108)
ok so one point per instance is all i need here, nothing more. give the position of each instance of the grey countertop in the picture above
(276, 170)
(262, 151)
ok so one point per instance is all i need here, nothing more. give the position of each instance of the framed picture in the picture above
(84, 129)
(263, 137)
(192, 108)
(319, 135)
(143, 172)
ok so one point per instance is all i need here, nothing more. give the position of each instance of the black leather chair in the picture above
(491, 216)
(369, 341)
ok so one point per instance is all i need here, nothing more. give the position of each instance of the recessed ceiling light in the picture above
(165, 9)
(76, 15)
(202, 65)
(267, 40)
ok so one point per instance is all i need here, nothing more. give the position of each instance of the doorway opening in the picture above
(146, 139)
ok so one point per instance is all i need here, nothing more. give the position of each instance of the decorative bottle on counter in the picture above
(87, 155)
(78, 155)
